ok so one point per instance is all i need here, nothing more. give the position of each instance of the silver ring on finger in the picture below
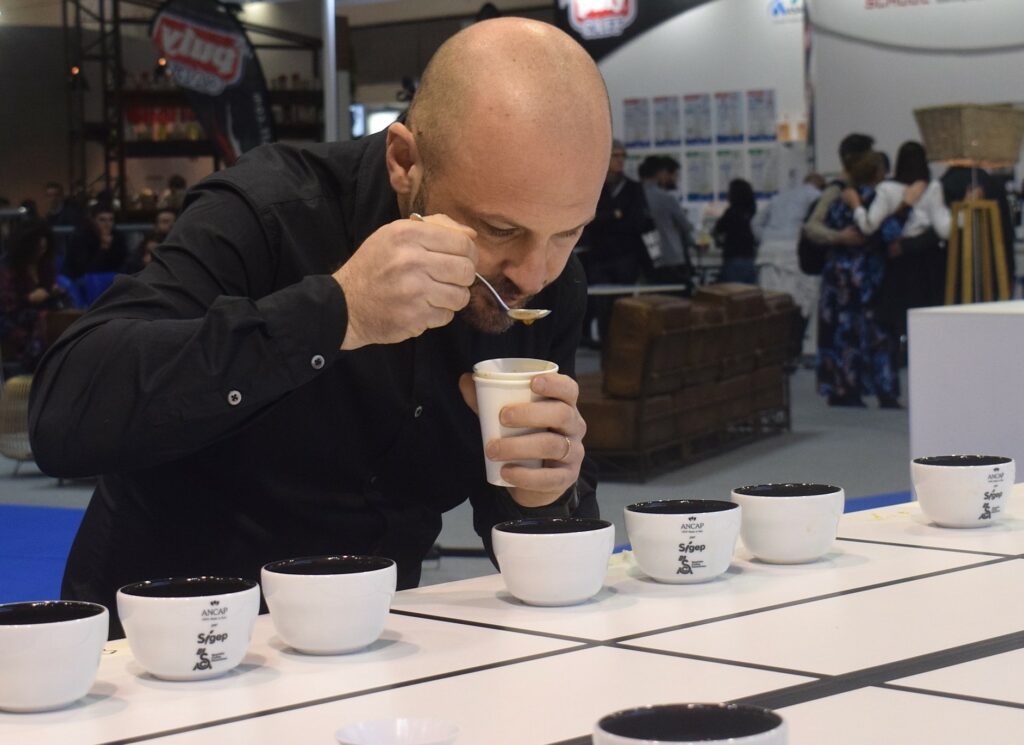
(568, 449)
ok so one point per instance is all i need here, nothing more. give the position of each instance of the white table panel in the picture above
(875, 716)
(865, 629)
(126, 702)
(530, 703)
(632, 603)
(558, 697)
(905, 523)
(999, 677)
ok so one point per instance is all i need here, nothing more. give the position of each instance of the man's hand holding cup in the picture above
(531, 428)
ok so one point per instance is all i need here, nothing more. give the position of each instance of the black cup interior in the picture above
(188, 587)
(691, 722)
(963, 460)
(787, 490)
(682, 506)
(50, 611)
(552, 525)
(325, 565)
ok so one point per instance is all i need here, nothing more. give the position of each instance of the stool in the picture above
(976, 225)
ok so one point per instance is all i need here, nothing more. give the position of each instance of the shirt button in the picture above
(418, 412)
(234, 398)
(317, 362)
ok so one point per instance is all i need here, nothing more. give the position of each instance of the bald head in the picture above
(510, 135)
(513, 79)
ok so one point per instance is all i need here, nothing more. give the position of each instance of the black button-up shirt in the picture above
(228, 430)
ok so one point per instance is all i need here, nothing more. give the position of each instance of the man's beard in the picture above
(482, 312)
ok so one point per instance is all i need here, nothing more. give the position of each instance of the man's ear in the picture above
(405, 169)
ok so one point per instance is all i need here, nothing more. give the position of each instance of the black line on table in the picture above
(925, 548)
(879, 674)
(496, 627)
(804, 601)
(718, 660)
(874, 677)
(957, 696)
(342, 696)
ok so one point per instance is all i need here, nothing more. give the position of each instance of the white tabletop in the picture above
(905, 633)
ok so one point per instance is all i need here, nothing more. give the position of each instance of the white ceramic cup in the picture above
(683, 724)
(683, 540)
(398, 731)
(500, 383)
(329, 604)
(189, 628)
(553, 561)
(789, 523)
(963, 491)
(49, 652)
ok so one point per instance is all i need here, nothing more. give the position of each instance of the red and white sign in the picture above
(600, 19)
(200, 58)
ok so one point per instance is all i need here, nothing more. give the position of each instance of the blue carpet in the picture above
(34, 544)
(858, 504)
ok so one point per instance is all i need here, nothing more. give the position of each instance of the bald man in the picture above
(290, 376)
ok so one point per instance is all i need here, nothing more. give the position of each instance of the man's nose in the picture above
(529, 269)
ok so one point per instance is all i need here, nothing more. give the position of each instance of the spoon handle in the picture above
(494, 292)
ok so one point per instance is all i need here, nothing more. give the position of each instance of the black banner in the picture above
(602, 26)
(210, 58)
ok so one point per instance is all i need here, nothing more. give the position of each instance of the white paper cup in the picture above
(189, 628)
(686, 724)
(789, 523)
(500, 383)
(49, 652)
(329, 604)
(683, 540)
(963, 491)
(554, 560)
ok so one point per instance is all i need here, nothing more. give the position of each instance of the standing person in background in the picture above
(783, 217)
(911, 215)
(96, 246)
(616, 254)
(735, 234)
(674, 231)
(815, 228)
(855, 350)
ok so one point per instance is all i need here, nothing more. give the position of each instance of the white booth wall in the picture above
(875, 62)
(723, 46)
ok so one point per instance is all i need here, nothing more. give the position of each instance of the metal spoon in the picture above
(526, 315)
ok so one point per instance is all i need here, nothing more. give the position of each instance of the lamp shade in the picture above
(971, 134)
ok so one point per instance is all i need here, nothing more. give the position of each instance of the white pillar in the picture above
(329, 76)
(344, 101)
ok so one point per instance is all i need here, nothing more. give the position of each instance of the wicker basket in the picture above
(985, 135)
